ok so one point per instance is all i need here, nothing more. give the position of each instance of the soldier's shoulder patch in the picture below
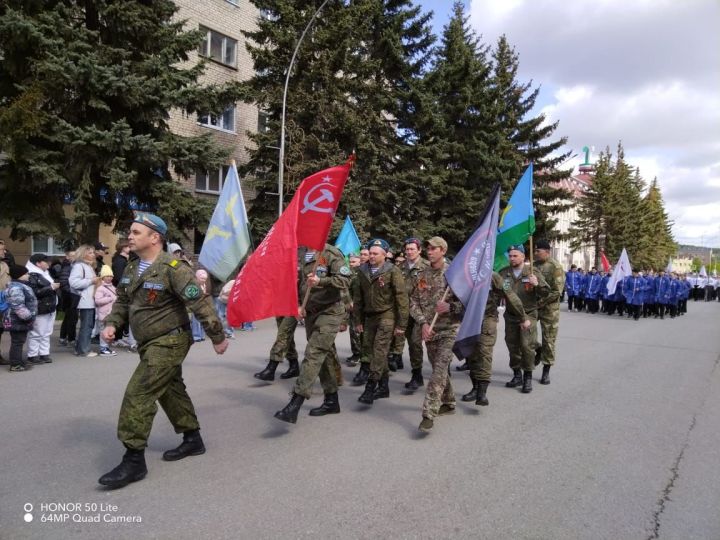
(345, 271)
(191, 292)
(559, 272)
(506, 285)
(174, 263)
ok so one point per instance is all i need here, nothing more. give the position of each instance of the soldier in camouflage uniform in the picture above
(412, 266)
(154, 295)
(325, 313)
(381, 310)
(355, 336)
(427, 300)
(532, 289)
(284, 347)
(549, 308)
(480, 361)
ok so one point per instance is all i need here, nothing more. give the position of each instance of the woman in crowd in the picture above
(82, 281)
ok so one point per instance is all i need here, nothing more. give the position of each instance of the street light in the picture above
(284, 105)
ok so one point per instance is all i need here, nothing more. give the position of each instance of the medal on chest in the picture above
(381, 282)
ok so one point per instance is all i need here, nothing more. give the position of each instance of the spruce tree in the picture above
(655, 230)
(86, 88)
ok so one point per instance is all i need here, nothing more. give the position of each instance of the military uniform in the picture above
(549, 308)
(521, 343)
(381, 305)
(480, 361)
(324, 314)
(284, 346)
(428, 291)
(155, 303)
(356, 340)
(412, 331)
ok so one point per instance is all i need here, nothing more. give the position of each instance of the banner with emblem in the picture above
(227, 239)
(318, 198)
(621, 271)
(470, 276)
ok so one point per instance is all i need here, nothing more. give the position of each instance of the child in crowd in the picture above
(105, 296)
(197, 330)
(20, 316)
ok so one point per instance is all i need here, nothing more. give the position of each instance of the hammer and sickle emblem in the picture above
(312, 204)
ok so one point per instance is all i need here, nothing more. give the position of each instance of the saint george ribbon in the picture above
(267, 284)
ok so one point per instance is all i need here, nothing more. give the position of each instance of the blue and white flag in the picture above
(470, 276)
(227, 239)
(348, 241)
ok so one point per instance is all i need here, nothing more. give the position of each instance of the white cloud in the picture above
(646, 72)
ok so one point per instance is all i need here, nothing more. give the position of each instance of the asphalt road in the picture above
(624, 444)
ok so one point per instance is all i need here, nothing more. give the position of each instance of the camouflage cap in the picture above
(436, 241)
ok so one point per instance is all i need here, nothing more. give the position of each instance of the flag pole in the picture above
(531, 254)
(432, 324)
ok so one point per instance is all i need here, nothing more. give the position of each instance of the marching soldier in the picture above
(355, 337)
(381, 311)
(154, 295)
(429, 297)
(532, 289)
(549, 307)
(284, 347)
(324, 315)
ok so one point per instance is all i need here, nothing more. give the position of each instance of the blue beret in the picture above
(516, 247)
(379, 242)
(152, 221)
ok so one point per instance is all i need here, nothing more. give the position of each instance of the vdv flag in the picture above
(621, 271)
(348, 241)
(470, 276)
(227, 240)
(517, 223)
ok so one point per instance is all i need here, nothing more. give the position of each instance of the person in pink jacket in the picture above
(105, 296)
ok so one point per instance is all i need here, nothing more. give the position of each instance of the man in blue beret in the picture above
(154, 296)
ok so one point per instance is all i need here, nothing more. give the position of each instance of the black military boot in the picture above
(482, 394)
(131, 469)
(392, 362)
(367, 396)
(545, 379)
(192, 445)
(330, 405)
(527, 382)
(538, 356)
(472, 394)
(416, 381)
(383, 390)
(362, 376)
(292, 371)
(463, 367)
(290, 412)
(268, 374)
(399, 362)
(517, 379)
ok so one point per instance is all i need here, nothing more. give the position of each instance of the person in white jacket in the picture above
(105, 296)
(82, 281)
(44, 287)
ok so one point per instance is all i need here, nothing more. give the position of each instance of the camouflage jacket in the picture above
(554, 275)
(382, 293)
(529, 295)
(497, 293)
(411, 274)
(157, 301)
(428, 291)
(334, 276)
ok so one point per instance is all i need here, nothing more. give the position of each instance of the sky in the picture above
(644, 72)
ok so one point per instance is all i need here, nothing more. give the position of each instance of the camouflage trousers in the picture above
(480, 361)
(157, 378)
(413, 335)
(521, 343)
(320, 354)
(439, 390)
(284, 346)
(549, 317)
(355, 341)
(377, 338)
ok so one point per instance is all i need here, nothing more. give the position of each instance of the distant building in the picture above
(576, 186)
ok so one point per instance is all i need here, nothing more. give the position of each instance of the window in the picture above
(47, 245)
(263, 122)
(225, 122)
(211, 182)
(218, 47)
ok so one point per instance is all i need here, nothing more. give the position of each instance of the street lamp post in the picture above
(284, 106)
